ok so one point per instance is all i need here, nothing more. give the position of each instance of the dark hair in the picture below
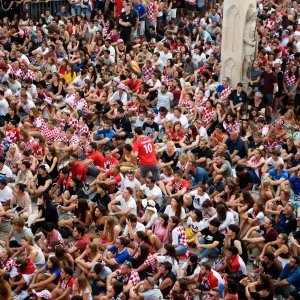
(132, 218)
(98, 268)
(21, 187)
(170, 249)
(55, 262)
(48, 226)
(138, 130)
(175, 220)
(144, 252)
(199, 215)
(101, 208)
(82, 209)
(143, 236)
(190, 269)
(80, 228)
(165, 217)
(118, 287)
(168, 266)
(68, 270)
(234, 228)
(26, 164)
(232, 287)
(234, 250)
(207, 266)
(124, 240)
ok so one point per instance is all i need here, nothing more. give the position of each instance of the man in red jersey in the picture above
(144, 149)
(77, 168)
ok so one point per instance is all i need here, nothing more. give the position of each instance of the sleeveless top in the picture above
(244, 255)
(54, 172)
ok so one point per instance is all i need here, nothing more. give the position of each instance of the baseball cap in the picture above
(277, 61)
(121, 86)
(117, 79)
(120, 41)
(3, 180)
(45, 167)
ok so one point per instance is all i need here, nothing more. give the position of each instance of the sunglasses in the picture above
(130, 171)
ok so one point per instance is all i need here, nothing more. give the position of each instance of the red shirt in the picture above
(78, 170)
(117, 177)
(107, 163)
(144, 146)
(82, 243)
(178, 186)
(97, 157)
(119, 7)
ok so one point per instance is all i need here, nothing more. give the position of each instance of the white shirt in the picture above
(79, 82)
(139, 227)
(164, 99)
(6, 194)
(3, 107)
(28, 106)
(156, 191)
(164, 57)
(134, 184)
(170, 212)
(6, 171)
(125, 204)
(197, 199)
(182, 119)
(196, 226)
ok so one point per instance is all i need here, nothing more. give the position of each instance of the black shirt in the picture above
(149, 130)
(210, 237)
(102, 200)
(124, 123)
(202, 152)
(127, 18)
(273, 270)
(245, 179)
(236, 99)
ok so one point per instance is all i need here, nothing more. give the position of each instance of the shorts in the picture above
(153, 169)
(191, 7)
(268, 99)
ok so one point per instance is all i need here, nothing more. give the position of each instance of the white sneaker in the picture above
(204, 260)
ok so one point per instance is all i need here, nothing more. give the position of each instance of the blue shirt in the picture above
(285, 225)
(107, 133)
(295, 182)
(140, 8)
(276, 176)
(238, 145)
(293, 277)
(200, 176)
(120, 256)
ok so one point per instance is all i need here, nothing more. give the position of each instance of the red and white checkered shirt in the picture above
(51, 135)
(132, 278)
(39, 122)
(73, 123)
(290, 80)
(147, 72)
(28, 146)
(12, 136)
(151, 261)
(28, 74)
(82, 106)
(82, 129)
(270, 23)
(151, 12)
(226, 92)
(72, 141)
(7, 265)
(207, 114)
(84, 147)
(182, 236)
(231, 127)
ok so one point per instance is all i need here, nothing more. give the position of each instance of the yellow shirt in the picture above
(69, 78)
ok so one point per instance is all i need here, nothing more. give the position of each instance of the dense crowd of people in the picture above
(130, 170)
